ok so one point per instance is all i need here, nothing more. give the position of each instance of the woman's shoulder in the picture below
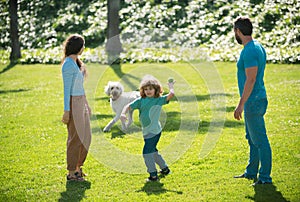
(68, 64)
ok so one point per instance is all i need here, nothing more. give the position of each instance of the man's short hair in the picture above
(244, 24)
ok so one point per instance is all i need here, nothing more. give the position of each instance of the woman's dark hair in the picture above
(73, 45)
(244, 24)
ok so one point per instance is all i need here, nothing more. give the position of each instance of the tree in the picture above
(14, 35)
(113, 44)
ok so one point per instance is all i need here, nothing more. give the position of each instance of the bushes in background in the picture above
(155, 31)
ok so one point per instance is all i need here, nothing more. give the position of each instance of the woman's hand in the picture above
(66, 117)
(89, 110)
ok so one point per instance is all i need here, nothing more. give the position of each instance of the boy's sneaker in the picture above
(165, 171)
(152, 179)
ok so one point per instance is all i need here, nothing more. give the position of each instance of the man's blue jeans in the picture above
(260, 150)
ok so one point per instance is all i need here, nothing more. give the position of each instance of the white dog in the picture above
(118, 99)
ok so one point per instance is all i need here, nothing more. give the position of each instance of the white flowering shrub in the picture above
(169, 31)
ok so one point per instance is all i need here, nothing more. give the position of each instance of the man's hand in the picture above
(238, 112)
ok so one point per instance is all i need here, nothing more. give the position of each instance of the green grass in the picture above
(33, 140)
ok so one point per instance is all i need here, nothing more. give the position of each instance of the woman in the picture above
(76, 109)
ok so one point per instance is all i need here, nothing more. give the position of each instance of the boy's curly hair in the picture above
(149, 80)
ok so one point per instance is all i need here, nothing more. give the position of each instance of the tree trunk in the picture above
(113, 44)
(14, 35)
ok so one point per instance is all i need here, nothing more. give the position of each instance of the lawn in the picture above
(202, 143)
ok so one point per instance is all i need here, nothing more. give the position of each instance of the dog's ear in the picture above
(107, 88)
(121, 87)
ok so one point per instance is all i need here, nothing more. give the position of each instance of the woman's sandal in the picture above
(81, 173)
(75, 177)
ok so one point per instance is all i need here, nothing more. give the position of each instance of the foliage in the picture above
(45, 24)
(33, 140)
(159, 25)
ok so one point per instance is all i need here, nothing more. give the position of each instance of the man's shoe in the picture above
(258, 182)
(244, 176)
(240, 176)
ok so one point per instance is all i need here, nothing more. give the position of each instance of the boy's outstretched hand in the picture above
(171, 83)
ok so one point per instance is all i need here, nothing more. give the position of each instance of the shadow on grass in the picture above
(267, 192)
(102, 116)
(229, 109)
(204, 125)
(105, 99)
(13, 91)
(75, 191)
(116, 132)
(117, 68)
(175, 120)
(156, 188)
(8, 67)
(202, 97)
(172, 124)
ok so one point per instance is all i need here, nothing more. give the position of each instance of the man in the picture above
(253, 101)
